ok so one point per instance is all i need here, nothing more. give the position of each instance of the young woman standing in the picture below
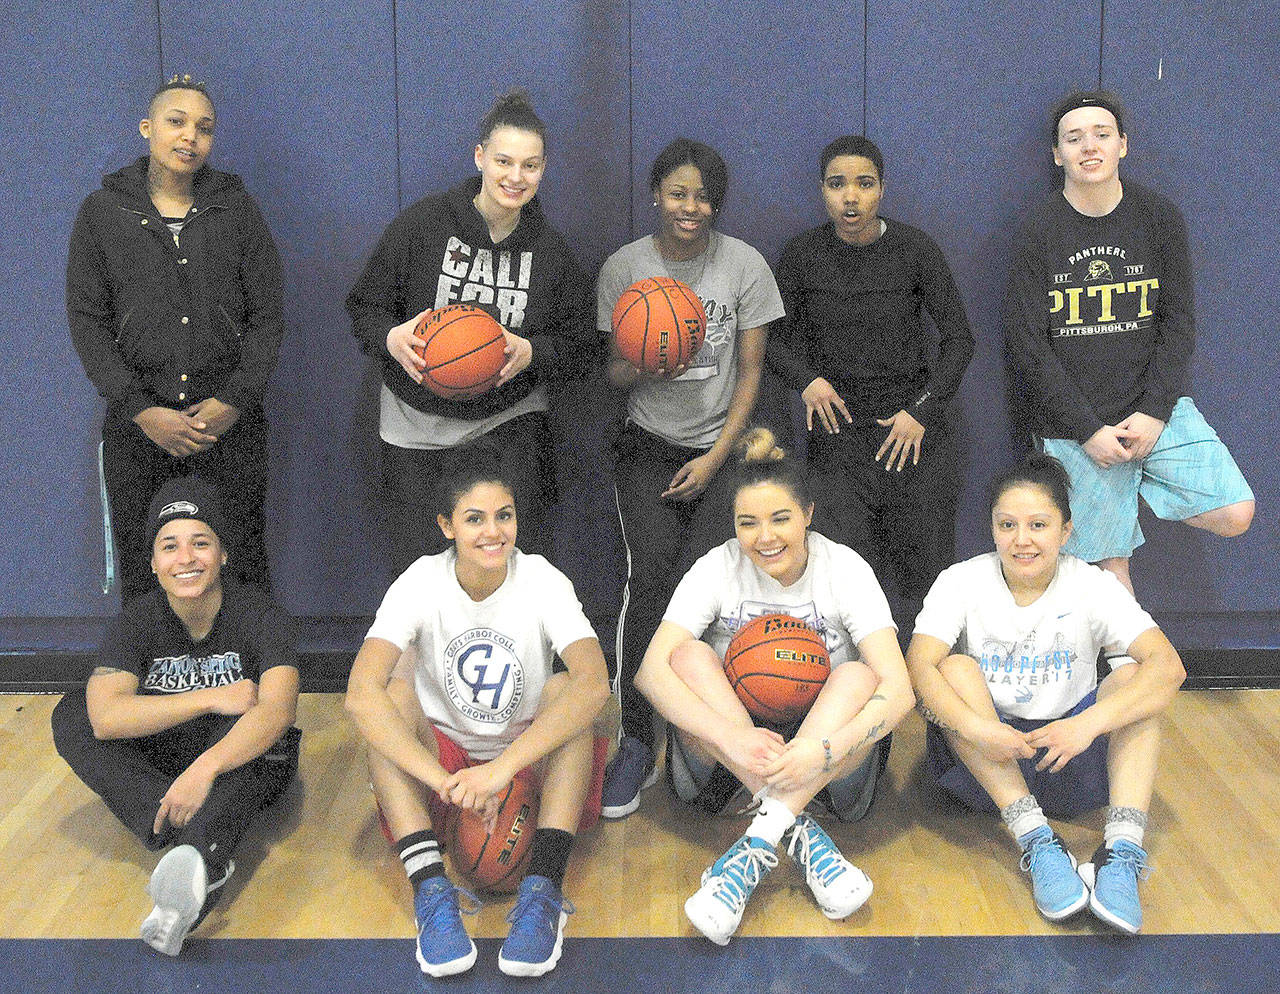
(484, 242)
(174, 303)
(679, 429)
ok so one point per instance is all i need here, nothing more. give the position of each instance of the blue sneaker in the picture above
(631, 770)
(839, 887)
(1058, 889)
(532, 947)
(444, 948)
(716, 909)
(1113, 877)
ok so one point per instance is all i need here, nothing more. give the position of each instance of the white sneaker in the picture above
(716, 909)
(839, 887)
(179, 885)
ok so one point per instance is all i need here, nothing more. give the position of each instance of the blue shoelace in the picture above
(817, 852)
(740, 872)
(1041, 848)
(521, 918)
(445, 909)
(1132, 857)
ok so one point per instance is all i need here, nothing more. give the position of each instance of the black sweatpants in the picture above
(663, 538)
(410, 477)
(902, 523)
(133, 775)
(135, 468)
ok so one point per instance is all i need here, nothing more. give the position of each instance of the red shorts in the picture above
(453, 758)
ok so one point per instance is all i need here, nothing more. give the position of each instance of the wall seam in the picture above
(159, 45)
(1102, 39)
(395, 75)
(631, 125)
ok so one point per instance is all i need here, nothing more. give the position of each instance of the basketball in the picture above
(496, 862)
(777, 665)
(659, 324)
(464, 349)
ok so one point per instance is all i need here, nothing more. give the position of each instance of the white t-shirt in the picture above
(837, 595)
(1040, 661)
(737, 290)
(481, 665)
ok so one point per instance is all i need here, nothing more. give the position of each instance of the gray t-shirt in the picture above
(737, 290)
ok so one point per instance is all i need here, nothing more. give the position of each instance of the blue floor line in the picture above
(1158, 964)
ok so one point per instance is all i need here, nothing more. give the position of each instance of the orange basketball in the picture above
(659, 324)
(777, 665)
(464, 348)
(496, 862)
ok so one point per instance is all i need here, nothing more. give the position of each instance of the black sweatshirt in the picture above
(438, 252)
(855, 316)
(1099, 317)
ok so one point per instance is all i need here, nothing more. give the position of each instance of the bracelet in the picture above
(826, 755)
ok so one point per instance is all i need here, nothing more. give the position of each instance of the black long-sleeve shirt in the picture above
(855, 316)
(1099, 318)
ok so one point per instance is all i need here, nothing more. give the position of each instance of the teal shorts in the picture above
(1188, 472)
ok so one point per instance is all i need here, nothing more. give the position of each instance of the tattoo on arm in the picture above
(873, 733)
(878, 697)
(930, 716)
(105, 670)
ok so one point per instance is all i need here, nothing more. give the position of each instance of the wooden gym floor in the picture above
(317, 868)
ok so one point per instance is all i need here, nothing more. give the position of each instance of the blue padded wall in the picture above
(767, 88)
(339, 114)
(306, 115)
(1201, 87)
(76, 79)
(956, 97)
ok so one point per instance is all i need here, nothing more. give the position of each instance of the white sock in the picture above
(771, 821)
(1023, 816)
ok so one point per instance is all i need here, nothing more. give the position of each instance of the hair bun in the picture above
(759, 445)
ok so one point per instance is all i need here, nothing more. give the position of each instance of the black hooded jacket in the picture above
(163, 323)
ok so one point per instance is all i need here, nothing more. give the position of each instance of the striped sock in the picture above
(420, 854)
(1129, 824)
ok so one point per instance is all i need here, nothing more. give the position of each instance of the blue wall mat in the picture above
(956, 98)
(337, 115)
(1170, 964)
(767, 88)
(306, 114)
(1200, 83)
(76, 82)
(572, 58)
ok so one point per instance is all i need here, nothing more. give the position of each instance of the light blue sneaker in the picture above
(532, 947)
(716, 909)
(631, 770)
(1058, 889)
(444, 948)
(1113, 877)
(839, 887)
